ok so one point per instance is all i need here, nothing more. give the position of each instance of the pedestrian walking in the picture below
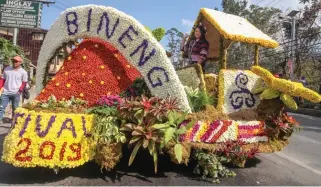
(13, 81)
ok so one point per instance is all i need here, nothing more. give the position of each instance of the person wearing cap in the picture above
(13, 81)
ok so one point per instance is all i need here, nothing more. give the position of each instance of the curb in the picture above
(306, 111)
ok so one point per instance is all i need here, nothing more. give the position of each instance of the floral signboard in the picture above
(123, 32)
(235, 90)
(49, 140)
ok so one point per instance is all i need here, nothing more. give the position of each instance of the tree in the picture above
(8, 51)
(175, 38)
(158, 33)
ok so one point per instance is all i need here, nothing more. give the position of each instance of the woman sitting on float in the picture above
(196, 50)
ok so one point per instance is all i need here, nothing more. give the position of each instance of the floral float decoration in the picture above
(118, 89)
(275, 87)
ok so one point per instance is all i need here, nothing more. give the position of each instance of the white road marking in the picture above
(312, 128)
(297, 162)
(305, 116)
(308, 139)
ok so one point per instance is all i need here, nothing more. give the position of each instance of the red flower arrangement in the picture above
(93, 69)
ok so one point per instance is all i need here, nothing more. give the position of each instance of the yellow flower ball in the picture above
(84, 57)
(102, 82)
(57, 84)
(68, 85)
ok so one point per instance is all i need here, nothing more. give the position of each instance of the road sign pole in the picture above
(15, 36)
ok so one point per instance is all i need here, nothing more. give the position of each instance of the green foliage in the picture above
(103, 111)
(107, 130)
(148, 29)
(211, 167)
(8, 51)
(172, 130)
(159, 33)
(198, 99)
(138, 88)
(52, 103)
(139, 117)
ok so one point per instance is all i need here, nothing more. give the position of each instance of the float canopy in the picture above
(230, 28)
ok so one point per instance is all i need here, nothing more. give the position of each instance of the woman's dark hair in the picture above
(203, 31)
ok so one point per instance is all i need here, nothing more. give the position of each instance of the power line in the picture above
(260, 2)
(270, 2)
(62, 4)
(276, 3)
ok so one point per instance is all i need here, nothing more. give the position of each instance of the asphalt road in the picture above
(298, 164)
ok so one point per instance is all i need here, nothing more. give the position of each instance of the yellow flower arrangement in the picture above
(49, 140)
(286, 86)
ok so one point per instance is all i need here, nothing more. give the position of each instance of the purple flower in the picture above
(15, 118)
(38, 126)
(84, 127)
(25, 125)
(71, 128)
(110, 100)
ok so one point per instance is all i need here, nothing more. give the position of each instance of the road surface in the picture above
(297, 164)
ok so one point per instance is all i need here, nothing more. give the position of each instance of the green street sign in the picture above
(20, 14)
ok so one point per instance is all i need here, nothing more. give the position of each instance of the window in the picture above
(38, 36)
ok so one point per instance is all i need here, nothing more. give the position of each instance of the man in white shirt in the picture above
(13, 80)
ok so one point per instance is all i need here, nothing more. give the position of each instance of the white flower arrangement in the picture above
(126, 34)
(230, 134)
(235, 90)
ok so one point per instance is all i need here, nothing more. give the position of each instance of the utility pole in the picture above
(293, 48)
(292, 14)
(15, 35)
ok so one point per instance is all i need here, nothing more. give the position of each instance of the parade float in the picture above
(118, 89)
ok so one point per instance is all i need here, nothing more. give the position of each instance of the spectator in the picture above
(303, 81)
(13, 80)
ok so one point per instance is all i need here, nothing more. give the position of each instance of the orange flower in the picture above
(102, 82)
(90, 82)
(84, 57)
(68, 85)
(102, 67)
(57, 84)
(81, 95)
(83, 74)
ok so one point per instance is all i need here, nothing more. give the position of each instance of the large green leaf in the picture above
(133, 155)
(169, 134)
(155, 158)
(135, 139)
(178, 150)
(151, 147)
(160, 126)
(190, 124)
(146, 143)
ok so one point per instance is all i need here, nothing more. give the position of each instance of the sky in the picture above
(180, 14)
